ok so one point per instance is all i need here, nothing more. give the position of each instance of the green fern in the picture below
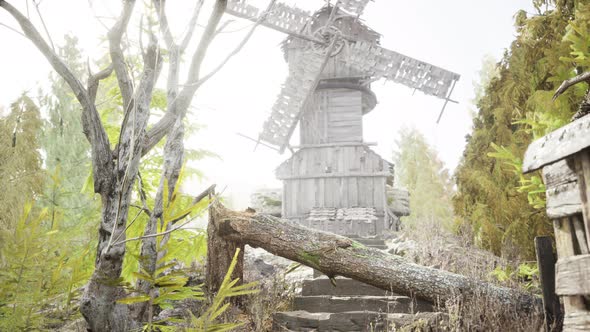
(208, 321)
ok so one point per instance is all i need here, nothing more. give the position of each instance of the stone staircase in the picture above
(353, 306)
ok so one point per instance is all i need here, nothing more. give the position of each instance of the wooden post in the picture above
(546, 263)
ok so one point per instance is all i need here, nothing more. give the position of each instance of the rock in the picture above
(266, 270)
(267, 201)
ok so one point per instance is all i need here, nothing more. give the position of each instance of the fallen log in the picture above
(337, 255)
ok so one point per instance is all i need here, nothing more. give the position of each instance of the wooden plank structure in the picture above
(564, 157)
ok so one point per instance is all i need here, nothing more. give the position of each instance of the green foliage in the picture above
(46, 252)
(420, 171)
(183, 246)
(526, 274)
(208, 321)
(502, 208)
(41, 274)
(532, 185)
(22, 176)
(68, 164)
(168, 286)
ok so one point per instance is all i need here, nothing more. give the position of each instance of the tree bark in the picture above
(337, 255)
(220, 254)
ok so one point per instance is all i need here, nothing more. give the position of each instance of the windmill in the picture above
(335, 181)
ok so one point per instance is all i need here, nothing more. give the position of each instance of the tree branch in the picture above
(191, 26)
(44, 25)
(91, 123)
(12, 29)
(585, 77)
(189, 89)
(179, 105)
(166, 232)
(209, 191)
(118, 59)
(238, 47)
(160, 6)
(94, 79)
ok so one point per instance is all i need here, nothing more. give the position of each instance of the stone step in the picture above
(303, 321)
(387, 304)
(344, 287)
(357, 321)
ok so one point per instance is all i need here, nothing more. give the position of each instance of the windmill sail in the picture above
(378, 62)
(280, 17)
(296, 90)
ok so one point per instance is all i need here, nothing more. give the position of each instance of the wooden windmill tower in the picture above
(334, 181)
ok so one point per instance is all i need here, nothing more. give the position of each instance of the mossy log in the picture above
(336, 255)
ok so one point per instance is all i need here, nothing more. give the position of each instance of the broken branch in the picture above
(585, 77)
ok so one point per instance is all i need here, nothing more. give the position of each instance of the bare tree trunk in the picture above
(336, 255)
(220, 254)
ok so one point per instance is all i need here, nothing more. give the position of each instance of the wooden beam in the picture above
(546, 263)
(572, 275)
(329, 145)
(557, 145)
(335, 175)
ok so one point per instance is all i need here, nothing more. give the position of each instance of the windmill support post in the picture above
(336, 255)
(564, 158)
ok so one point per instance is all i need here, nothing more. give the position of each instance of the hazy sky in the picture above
(453, 34)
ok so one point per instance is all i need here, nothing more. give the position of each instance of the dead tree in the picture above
(115, 171)
(336, 255)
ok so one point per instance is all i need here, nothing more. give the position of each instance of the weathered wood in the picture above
(580, 241)
(335, 144)
(557, 145)
(582, 165)
(573, 275)
(565, 248)
(562, 191)
(546, 263)
(336, 175)
(337, 255)
(576, 321)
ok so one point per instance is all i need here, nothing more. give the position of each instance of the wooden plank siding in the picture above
(348, 176)
(334, 115)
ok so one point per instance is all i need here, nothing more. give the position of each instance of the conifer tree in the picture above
(502, 208)
(68, 165)
(421, 172)
(20, 160)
